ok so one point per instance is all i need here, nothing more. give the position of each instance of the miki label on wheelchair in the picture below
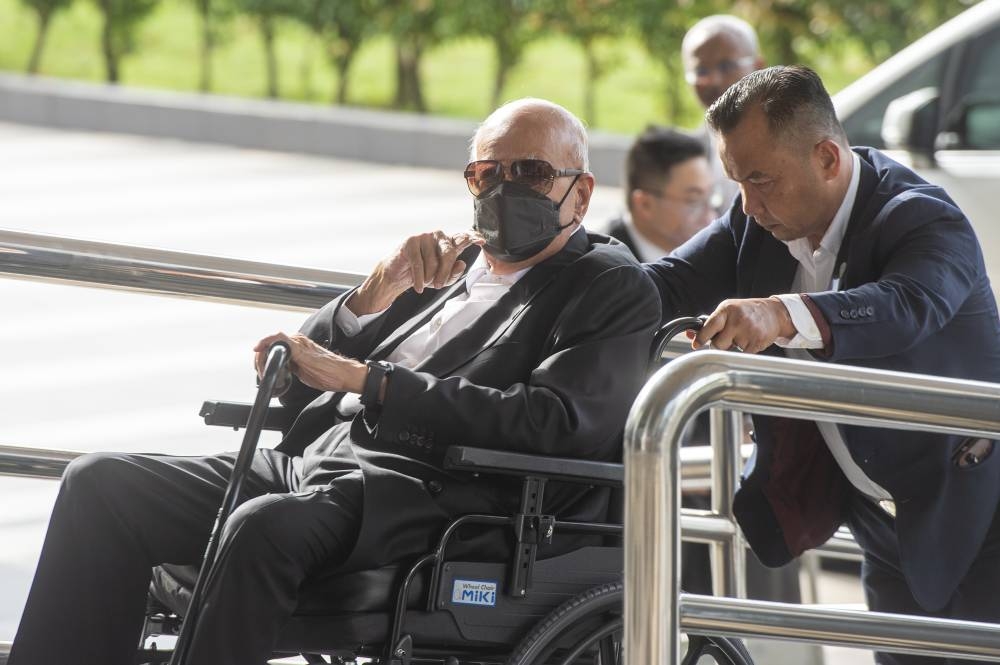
(474, 592)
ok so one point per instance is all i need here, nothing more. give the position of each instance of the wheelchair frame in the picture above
(530, 525)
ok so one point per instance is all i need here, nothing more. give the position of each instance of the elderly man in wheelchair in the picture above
(367, 532)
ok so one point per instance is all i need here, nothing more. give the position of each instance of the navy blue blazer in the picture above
(914, 297)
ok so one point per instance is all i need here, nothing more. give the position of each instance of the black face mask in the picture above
(516, 221)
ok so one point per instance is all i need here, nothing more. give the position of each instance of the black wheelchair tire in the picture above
(603, 604)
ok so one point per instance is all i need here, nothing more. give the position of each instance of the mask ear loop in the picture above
(573, 221)
(571, 186)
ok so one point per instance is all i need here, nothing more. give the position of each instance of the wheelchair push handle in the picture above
(671, 329)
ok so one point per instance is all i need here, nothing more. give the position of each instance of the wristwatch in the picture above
(377, 370)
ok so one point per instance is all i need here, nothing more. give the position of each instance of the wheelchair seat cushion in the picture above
(330, 592)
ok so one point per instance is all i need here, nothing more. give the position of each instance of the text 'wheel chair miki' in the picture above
(564, 609)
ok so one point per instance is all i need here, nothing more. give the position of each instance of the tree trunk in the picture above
(409, 94)
(505, 61)
(305, 66)
(36, 52)
(207, 44)
(672, 98)
(343, 65)
(267, 31)
(108, 43)
(590, 84)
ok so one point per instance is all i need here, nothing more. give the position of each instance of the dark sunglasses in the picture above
(485, 174)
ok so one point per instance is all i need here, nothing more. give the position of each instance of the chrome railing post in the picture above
(768, 386)
(729, 555)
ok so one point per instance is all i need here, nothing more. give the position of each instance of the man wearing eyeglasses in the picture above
(668, 189)
(718, 51)
(523, 334)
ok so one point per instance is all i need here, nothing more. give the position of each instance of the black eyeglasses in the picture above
(485, 174)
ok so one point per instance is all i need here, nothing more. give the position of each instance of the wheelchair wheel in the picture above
(588, 629)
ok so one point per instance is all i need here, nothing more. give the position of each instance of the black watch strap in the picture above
(377, 370)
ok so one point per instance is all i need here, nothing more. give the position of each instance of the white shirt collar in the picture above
(802, 250)
(480, 271)
(648, 250)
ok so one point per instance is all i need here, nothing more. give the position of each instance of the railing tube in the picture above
(729, 555)
(764, 385)
(51, 258)
(857, 629)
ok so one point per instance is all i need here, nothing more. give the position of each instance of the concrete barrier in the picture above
(373, 136)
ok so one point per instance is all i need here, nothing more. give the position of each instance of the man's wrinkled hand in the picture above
(750, 325)
(425, 260)
(314, 365)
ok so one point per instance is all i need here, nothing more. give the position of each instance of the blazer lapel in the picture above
(502, 315)
(397, 336)
(781, 264)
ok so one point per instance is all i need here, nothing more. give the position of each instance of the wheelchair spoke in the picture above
(604, 631)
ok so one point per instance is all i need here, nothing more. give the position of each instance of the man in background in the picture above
(668, 189)
(717, 52)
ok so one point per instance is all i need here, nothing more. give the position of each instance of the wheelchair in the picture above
(527, 610)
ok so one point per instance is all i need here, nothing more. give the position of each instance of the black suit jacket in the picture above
(914, 297)
(551, 368)
(618, 229)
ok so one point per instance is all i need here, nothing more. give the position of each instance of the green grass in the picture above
(457, 75)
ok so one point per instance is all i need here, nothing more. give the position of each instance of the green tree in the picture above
(211, 13)
(267, 14)
(593, 24)
(416, 26)
(661, 27)
(341, 26)
(883, 28)
(120, 19)
(510, 25)
(44, 11)
(783, 26)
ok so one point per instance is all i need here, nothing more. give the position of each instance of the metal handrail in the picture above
(858, 629)
(45, 257)
(777, 387)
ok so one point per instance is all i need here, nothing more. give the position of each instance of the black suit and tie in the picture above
(551, 367)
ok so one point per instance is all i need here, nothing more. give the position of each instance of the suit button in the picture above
(854, 313)
(403, 436)
(434, 487)
(844, 314)
(870, 311)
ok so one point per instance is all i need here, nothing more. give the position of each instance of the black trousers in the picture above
(976, 599)
(118, 515)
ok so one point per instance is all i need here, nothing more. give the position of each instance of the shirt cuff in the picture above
(350, 323)
(808, 335)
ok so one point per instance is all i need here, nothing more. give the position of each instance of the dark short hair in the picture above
(792, 98)
(655, 152)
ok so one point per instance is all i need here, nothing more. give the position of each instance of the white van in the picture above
(936, 107)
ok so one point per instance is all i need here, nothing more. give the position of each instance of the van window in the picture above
(981, 94)
(984, 68)
(864, 126)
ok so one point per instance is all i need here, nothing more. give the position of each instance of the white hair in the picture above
(566, 130)
(719, 24)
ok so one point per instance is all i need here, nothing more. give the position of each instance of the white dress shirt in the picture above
(482, 289)
(814, 275)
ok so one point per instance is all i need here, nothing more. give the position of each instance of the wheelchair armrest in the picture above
(236, 414)
(482, 460)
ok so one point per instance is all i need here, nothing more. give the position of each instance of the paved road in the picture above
(92, 369)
